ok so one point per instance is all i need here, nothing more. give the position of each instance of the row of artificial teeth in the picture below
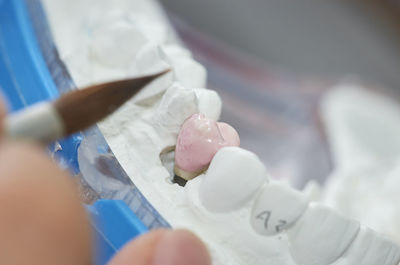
(317, 235)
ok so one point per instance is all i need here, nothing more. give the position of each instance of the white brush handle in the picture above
(40, 122)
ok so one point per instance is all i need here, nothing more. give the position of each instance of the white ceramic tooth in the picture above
(313, 191)
(209, 103)
(188, 72)
(370, 248)
(276, 208)
(233, 177)
(320, 236)
(154, 31)
(109, 52)
(177, 104)
(174, 50)
(151, 59)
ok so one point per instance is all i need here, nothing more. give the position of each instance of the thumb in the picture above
(3, 112)
(164, 247)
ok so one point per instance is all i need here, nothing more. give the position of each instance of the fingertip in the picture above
(140, 250)
(164, 247)
(3, 112)
(181, 247)
(42, 216)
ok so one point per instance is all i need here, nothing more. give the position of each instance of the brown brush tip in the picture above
(82, 108)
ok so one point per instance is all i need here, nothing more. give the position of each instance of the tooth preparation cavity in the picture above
(243, 217)
(198, 141)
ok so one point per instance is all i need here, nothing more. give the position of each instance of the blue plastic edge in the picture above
(24, 76)
(114, 225)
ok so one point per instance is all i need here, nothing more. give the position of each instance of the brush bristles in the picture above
(82, 108)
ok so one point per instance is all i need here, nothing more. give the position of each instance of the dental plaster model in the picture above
(228, 205)
(198, 140)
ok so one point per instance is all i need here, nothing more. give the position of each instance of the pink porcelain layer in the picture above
(199, 140)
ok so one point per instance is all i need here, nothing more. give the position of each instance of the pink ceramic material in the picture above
(198, 141)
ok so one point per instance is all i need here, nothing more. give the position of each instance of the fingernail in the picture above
(181, 247)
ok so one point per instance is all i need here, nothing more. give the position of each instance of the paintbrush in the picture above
(74, 111)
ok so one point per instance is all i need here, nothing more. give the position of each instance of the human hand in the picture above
(42, 220)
